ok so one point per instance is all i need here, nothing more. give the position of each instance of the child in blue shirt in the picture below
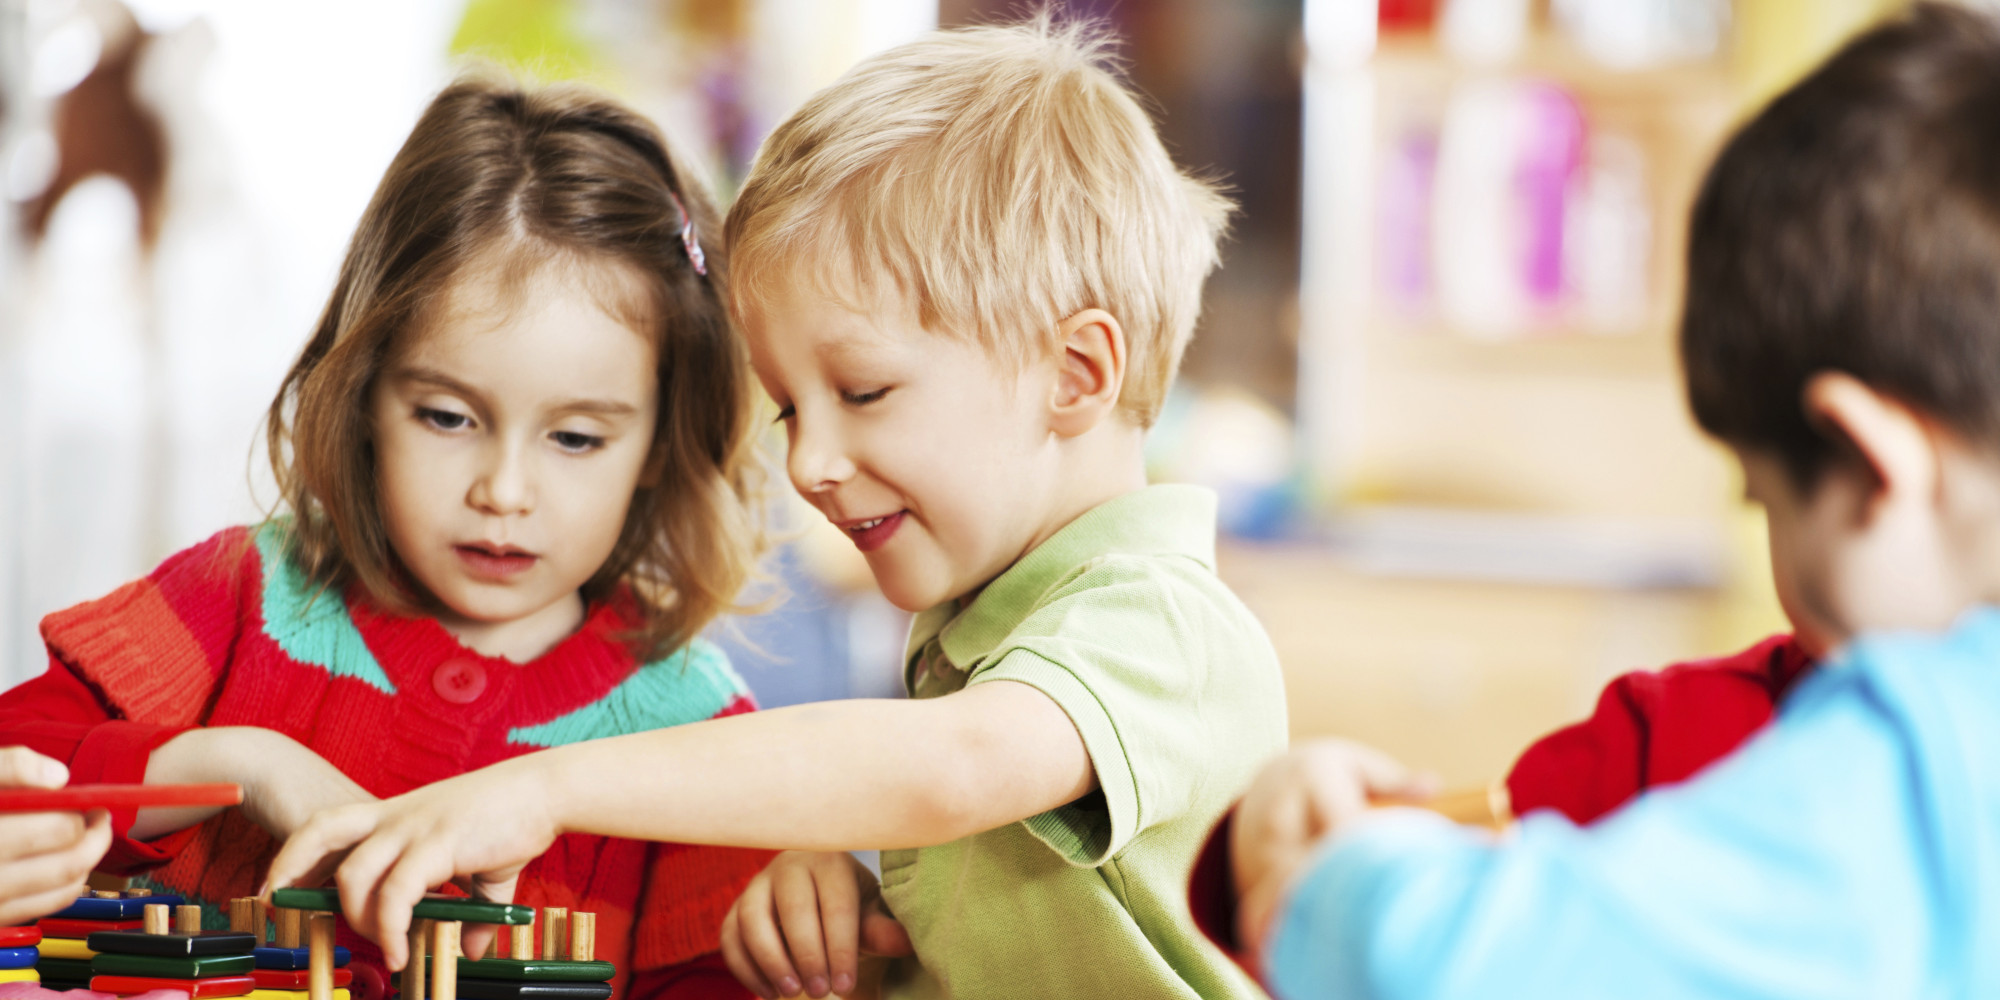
(1842, 337)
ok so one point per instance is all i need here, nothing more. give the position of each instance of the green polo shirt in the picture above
(1120, 619)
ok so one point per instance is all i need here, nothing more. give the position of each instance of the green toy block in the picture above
(197, 967)
(68, 970)
(471, 911)
(535, 970)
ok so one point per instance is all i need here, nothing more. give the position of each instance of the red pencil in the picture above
(83, 798)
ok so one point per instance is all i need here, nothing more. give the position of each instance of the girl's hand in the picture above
(45, 856)
(284, 782)
(478, 829)
(802, 924)
(1297, 800)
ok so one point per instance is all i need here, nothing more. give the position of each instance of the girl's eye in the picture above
(574, 441)
(863, 398)
(444, 420)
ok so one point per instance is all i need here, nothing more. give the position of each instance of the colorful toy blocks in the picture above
(196, 989)
(98, 907)
(296, 979)
(63, 953)
(173, 945)
(20, 937)
(172, 952)
(452, 908)
(19, 976)
(295, 959)
(18, 958)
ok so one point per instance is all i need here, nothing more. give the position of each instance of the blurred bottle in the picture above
(1407, 15)
(1634, 34)
(1485, 31)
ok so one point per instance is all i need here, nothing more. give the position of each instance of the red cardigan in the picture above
(1655, 728)
(229, 633)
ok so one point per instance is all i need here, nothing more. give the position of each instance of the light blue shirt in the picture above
(1850, 850)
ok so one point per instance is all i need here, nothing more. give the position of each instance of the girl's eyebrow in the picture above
(581, 404)
(418, 373)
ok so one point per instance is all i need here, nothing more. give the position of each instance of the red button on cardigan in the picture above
(459, 681)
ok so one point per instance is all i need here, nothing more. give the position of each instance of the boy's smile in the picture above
(936, 461)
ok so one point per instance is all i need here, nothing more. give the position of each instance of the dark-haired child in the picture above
(1842, 337)
(516, 457)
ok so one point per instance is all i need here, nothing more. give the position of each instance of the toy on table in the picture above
(83, 798)
(566, 969)
(183, 957)
(63, 953)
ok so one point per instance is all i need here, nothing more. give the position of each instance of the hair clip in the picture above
(688, 241)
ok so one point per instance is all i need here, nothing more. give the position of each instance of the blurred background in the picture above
(1434, 383)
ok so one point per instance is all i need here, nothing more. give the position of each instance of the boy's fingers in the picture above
(882, 934)
(758, 923)
(26, 835)
(738, 958)
(21, 767)
(840, 918)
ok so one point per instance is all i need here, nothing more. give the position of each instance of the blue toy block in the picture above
(93, 908)
(293, 959)
(18, 958)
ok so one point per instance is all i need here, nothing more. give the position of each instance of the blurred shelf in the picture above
(1552, 55)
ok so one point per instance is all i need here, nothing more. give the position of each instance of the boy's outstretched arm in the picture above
(830, 776)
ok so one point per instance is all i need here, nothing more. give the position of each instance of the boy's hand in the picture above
(1298, 799)
(478, 830)
(802, 924)
(44, 857)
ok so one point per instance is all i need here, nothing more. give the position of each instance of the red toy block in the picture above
(65, 927)
(83, 798)
(20, 937)
(296, 979)
(196, 989)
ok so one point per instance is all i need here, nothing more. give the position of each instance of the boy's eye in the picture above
(785, 413)
(575, 441)
(444, 420)
(863, 398)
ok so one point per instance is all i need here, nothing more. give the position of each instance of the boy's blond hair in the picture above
(1002, 178)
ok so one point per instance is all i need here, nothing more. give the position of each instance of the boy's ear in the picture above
(1091, 374)
(1896, 446)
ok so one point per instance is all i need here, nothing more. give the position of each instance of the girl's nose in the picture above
(506, 485)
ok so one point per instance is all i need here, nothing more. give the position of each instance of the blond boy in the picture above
(965, 273)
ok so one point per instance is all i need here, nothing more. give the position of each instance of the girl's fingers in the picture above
(795, 897)
(400, 890)
(334, 831)
(840, 918)
(738, 958)
(758, 923)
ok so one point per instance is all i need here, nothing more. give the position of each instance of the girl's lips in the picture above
(493, 565)
(876, 533)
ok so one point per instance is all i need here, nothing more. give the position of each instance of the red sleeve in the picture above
(1655, 728)
(58, 715)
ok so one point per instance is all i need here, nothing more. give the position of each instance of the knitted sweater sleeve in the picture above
(130, 671)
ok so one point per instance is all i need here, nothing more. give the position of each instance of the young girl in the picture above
(517, 459)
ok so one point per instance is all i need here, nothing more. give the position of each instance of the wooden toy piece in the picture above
(18, 958)
(172, 945)
(187, 919)
(20, 937)
(242, 912)
(97, 907)
(413, 973)
(159, 919)
(196, 989)
(288, 928)
(84, 798)
(582, 936)
(444, 970)
(260, 993)
(503, 989)
(319, 951)
(296, 979)
(163, 967)
(537, 970)
(522, 944)
(137, 893)
(108, 894)
(72, 948)
(555, 932)
(294, 958)
(20, 976)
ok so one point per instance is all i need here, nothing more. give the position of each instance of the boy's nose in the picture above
(816, 464)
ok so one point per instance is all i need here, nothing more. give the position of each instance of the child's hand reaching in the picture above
(803, 923)
(478, 830)
(44, 856)
(1297, 800)
(284, 782)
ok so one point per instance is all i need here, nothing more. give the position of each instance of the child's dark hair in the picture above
(494, 171)
(1854, 226)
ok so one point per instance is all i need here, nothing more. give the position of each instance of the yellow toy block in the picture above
(66, 948)
(19, 976)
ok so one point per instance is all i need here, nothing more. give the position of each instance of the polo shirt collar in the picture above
(1163, 520)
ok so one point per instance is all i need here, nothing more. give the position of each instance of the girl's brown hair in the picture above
(548, 174)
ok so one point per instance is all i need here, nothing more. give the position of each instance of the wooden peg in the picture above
(107, 894)
(288, 927)
(242, 910)
(582, 937)
(187, 920)
(444, 960)
(555, 932)
(137, 893)
(319, 957)
(158, 920)
(523, 943)
(413, 973)
(260, 919)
